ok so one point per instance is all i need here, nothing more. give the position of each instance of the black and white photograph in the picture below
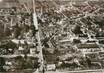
(51, 36)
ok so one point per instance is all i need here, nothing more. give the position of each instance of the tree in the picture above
(76, 41)
(77, 29)
(2, 63)
(17, 31)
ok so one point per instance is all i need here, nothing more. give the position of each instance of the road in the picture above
(81, 71)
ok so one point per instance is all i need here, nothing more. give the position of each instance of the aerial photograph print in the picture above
(51, 36)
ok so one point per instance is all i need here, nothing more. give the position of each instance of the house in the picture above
(83, 37)
(88, 48)
(32, 51)
(101, 54)
(92, 41)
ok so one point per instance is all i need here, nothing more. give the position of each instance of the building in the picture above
(9, 3)
(88, 48)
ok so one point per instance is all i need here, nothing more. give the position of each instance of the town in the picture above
(51, 35)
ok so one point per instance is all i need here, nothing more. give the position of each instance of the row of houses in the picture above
(90, 45)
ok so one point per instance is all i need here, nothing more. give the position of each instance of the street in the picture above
(81, 71)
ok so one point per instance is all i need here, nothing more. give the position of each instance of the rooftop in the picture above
(81, 46)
